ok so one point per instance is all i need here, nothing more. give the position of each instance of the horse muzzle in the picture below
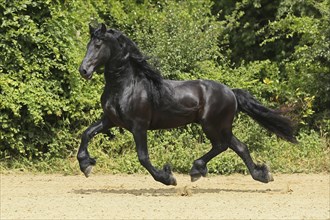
(85, 73)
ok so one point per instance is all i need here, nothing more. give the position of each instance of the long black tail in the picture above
(270, 119)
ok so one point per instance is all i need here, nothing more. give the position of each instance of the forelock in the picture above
(98, 34)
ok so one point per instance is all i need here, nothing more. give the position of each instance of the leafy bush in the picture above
(41, 101)
(164, 36)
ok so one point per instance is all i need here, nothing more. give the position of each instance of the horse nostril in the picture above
(82, 71)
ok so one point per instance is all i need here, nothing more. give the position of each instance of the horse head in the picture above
(100, 48)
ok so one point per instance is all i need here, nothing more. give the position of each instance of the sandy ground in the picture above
(296, 196)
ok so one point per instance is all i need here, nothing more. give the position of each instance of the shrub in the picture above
(41, 101)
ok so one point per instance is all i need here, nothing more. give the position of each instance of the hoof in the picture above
(88, 171)
(263, 174)
(172, 180)
(198, 170)
(270, 177)
(86, 166)
(195, 177)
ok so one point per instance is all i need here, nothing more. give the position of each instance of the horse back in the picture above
(201, 99)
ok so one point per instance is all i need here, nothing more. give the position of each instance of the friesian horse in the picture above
(137, 98)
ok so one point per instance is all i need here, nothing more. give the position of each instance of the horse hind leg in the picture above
(258, 172)
(220, 143)
(199, 167)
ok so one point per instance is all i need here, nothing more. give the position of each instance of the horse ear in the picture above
(103, 28)
(91, 29)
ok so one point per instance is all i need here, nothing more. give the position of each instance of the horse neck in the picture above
(118, 73)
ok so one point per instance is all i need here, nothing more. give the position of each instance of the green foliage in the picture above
(164, 35)
(306, 70)
(279, 51)
(292, 38)
(41, 102)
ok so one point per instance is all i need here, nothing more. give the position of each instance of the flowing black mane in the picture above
(138, 59)
(158, 91)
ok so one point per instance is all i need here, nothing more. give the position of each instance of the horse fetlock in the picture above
(167, 169)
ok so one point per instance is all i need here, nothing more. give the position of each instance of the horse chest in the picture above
(113, 111)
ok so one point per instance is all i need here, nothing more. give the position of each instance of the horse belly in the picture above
(164, 121)
(184, 109)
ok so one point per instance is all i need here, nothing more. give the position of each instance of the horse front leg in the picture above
(86, 162)
(165, 175)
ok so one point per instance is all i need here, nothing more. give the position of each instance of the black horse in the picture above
(137, 98)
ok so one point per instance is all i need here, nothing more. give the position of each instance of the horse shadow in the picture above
(174, 191)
